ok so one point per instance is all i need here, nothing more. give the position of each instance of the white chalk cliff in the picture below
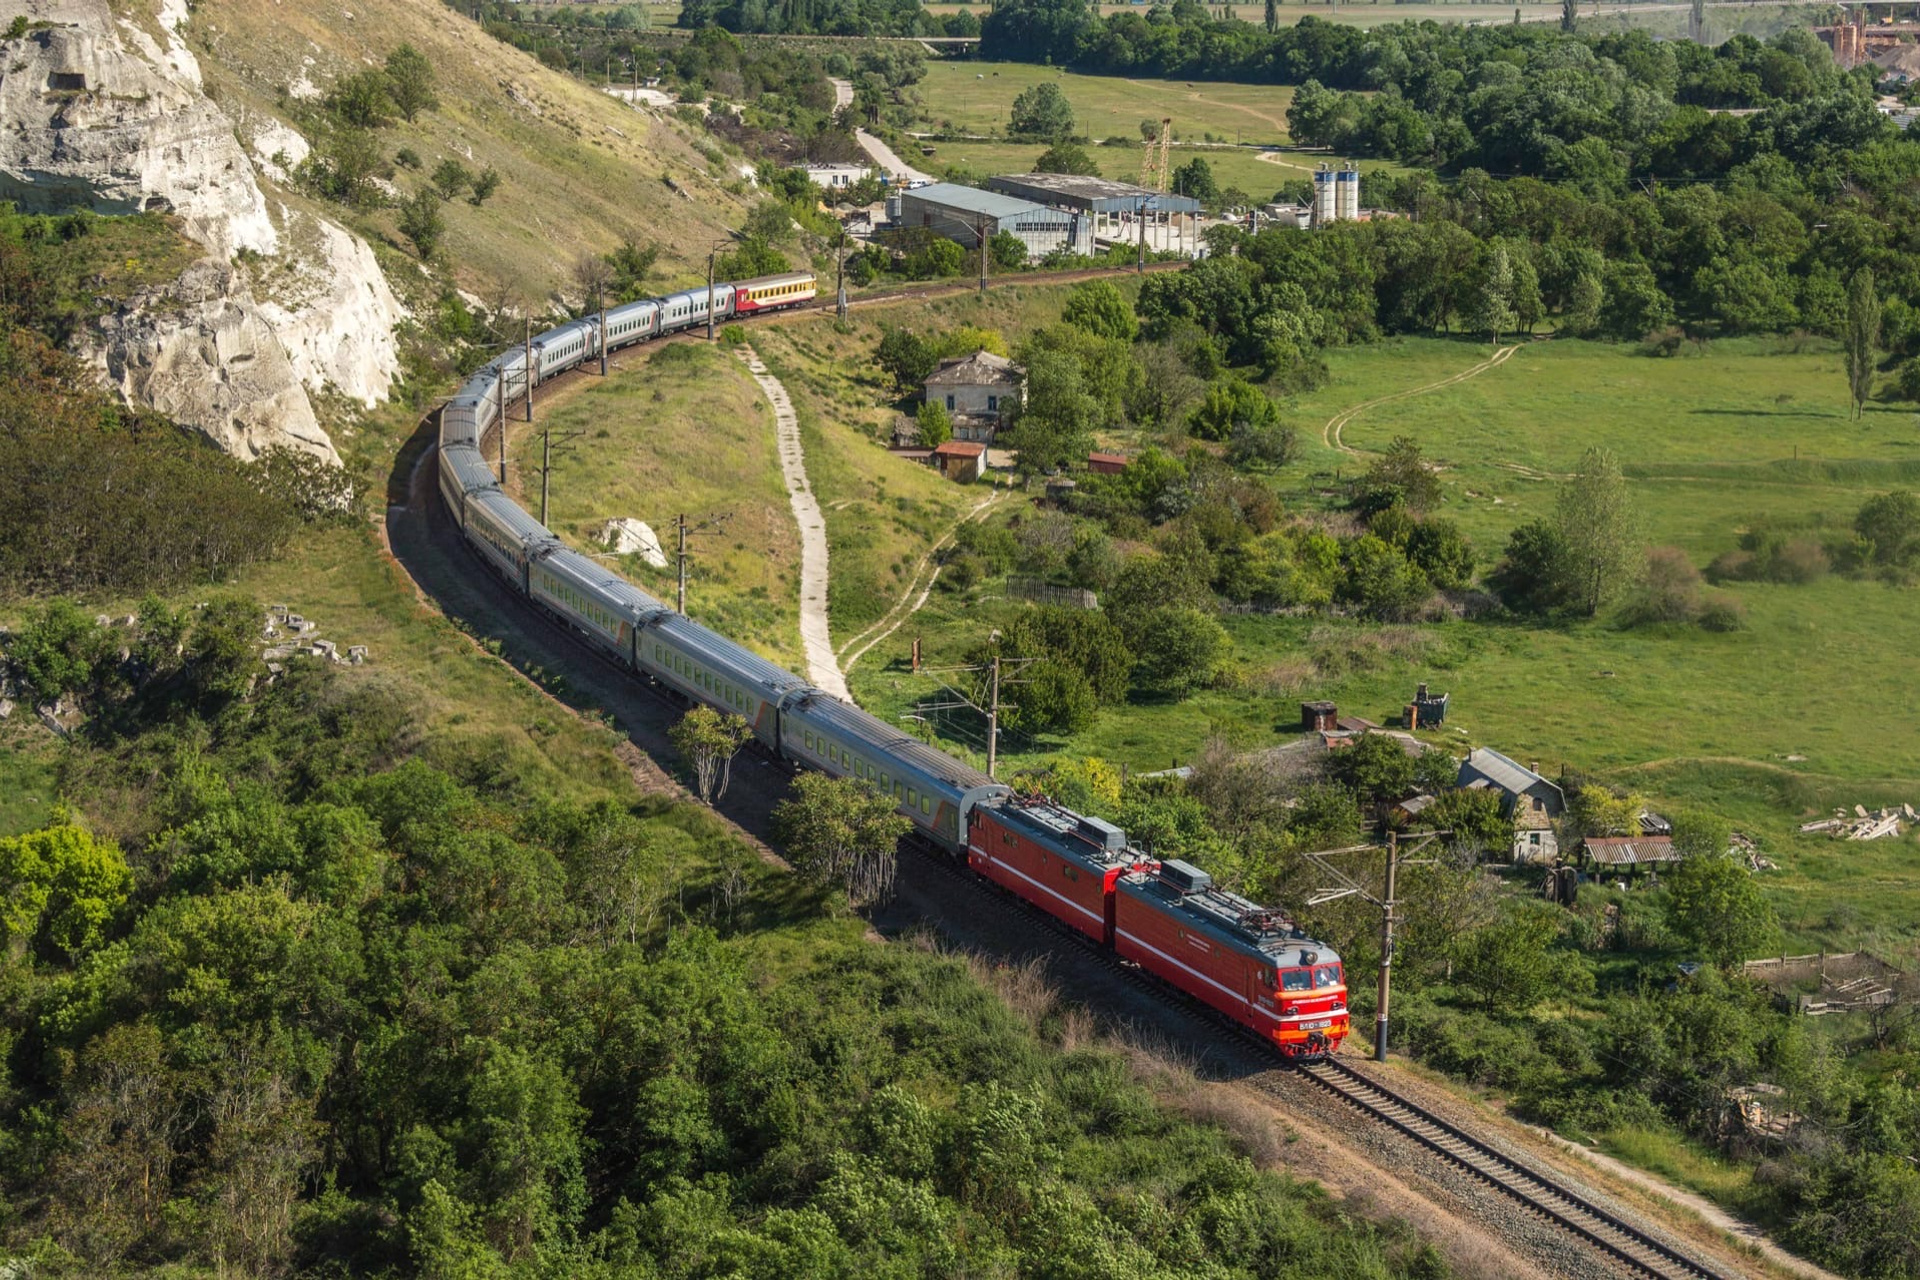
(100, 114)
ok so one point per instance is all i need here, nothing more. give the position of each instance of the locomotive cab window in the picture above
(1327, 975)
(1297, 980)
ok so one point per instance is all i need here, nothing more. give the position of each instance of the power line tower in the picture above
(685, 530)
(1154, 171)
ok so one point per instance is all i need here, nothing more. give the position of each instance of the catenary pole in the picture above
(1386, 949)
(529, 370)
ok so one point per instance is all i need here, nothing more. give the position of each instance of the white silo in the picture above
(1323, 196)
(1346, 200)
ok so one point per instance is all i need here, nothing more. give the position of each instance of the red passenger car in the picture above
(1249, 962)
(1054, 858)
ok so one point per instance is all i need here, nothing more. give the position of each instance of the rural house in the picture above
(1527, 798)
(978, 391)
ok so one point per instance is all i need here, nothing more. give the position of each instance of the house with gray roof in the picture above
(1528, 799)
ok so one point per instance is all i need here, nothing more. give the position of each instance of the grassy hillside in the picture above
(686, 431)
(580, 170)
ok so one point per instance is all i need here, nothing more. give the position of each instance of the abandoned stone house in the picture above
(1526, 797)
(979, 392)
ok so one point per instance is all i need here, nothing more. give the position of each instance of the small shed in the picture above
(962, 461)
(1319, 716)
(1106, 464)
(1603, 854)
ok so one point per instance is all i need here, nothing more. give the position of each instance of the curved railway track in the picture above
(1539, 1192)
(1567, 1209)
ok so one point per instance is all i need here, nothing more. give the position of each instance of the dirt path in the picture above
(909, 604)
(1330, 434)
(877, 151)
(816, 637)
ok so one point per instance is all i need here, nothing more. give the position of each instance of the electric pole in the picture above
(980, 230)
(546, 460)
(712, 253)
(529, 368)
(500, 420)
(840, 279)
(685, 530)
(1346, 885)
(602, 299)
(996, 679)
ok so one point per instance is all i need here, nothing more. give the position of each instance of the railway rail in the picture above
(1575, 1213)
(1565, 1208)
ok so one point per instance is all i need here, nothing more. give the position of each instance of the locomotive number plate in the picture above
(1316, 1024)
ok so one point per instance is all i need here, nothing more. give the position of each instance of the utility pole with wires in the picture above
(546, 460)
(980, 233)
(1345, 885)
(685, 530)
(601, 298)
(840, 279)
(996, 674)
(500, 421)
(529, 371)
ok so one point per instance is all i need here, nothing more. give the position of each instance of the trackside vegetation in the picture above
(319, 999)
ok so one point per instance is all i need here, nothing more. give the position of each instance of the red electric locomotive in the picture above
(1250, 962)
(1060, 861)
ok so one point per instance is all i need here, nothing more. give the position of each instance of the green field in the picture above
(1734, 721)
(975, 97)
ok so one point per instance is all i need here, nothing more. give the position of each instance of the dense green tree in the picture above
(1400, 477)
(1891, 523)
(843, 832)
(1098, 307)
(1474, 817)
(1195, 179)
(1041, 111)
(361, 100)
(422, 222)
(905, 356)
(410, 82)
(450, 178)
(1178, 649)
(1377, 768)
(60, 889)
(1066, 157)
(1714, 906)
(1511, 965)
(935, 423)
(1535, 575)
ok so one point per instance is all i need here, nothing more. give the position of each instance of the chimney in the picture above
(1421, 696)
(1533, 766)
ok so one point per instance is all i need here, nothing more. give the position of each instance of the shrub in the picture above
(407, 158)
(1669, 589)
(733, 335)
(1723, 613)
(422, 222)
(484, 186)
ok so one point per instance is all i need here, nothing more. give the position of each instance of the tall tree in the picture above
(1041, 111)
(1596, 525)
(710, 741)
(1714, 905)
(1494, 308)
(1863, 334)
(410, 81)
(1273, 16)
(841, 831)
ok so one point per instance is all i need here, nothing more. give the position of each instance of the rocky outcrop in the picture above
(108, 114)
(95, 121)
(201, 352)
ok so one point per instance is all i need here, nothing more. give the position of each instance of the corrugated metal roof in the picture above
(1627, 851)
(469, 467)
(1508, 775)
(951, 195)
(508, 513)
(1103, 194)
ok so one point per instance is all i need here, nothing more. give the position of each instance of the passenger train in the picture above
(1249, 962)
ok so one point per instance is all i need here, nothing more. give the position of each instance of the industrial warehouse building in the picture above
(1114, 211)
(964, 214)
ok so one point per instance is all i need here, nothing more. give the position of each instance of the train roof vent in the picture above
(1102, 835)
(1184, 876)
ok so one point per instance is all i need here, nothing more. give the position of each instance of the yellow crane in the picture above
(1154, 171)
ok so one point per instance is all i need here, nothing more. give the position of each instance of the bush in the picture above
(733, 335)
(407, 158)
(422, 222)
(1723, 613)
(1669, 589)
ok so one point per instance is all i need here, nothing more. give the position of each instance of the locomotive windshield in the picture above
(1327, 975)
(1296, 980)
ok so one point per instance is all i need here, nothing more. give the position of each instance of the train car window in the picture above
(1327, 975)
(885, 782)
(1263, 976)
(896, 791)
(913, 798)
(925, 807)
(1297, 980)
